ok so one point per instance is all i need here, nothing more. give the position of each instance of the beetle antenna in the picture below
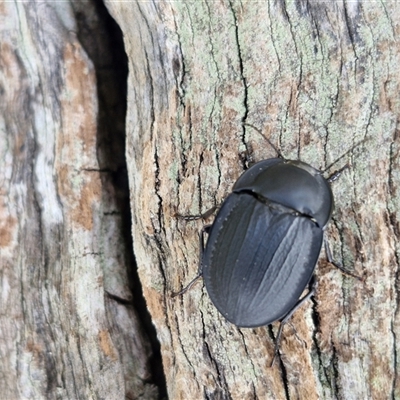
(265, 138)
(344, 155)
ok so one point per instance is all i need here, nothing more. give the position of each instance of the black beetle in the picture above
(265, 242)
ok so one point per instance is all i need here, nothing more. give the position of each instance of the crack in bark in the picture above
(241, 70)
(199, 183)
(210, 36)
(179, 68)
(284, 375)
(336, 374)
(271, 18)
(118, 299)
(323, 370)
(177, 324)
(357, 223)
(389, 20)
(112, 58)
(395, 353)
(251, 361)
(353, 35)
(222, 391)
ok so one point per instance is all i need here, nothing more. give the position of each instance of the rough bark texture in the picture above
(68, 326)
(316, 77)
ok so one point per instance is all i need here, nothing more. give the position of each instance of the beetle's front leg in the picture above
(204, 230)
(311, 291)
(205, 215)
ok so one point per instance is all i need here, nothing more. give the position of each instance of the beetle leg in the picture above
(186, 288)
(337, 264)
(205, 215)
(311, 290)
(205, 229)
(337, 173)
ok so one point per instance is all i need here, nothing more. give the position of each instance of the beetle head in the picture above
(291, 183)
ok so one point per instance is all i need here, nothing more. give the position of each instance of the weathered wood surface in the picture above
(64, 259)
(316, 77)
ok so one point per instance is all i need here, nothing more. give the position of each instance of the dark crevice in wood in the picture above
(325, 371)
(103, 42)
(284, 376)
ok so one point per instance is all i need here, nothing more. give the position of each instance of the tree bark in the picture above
(317, 78)
(69, 326)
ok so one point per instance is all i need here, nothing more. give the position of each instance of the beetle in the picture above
(265, 242)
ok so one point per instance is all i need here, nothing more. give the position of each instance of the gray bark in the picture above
(69, 328)
(317, 78)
